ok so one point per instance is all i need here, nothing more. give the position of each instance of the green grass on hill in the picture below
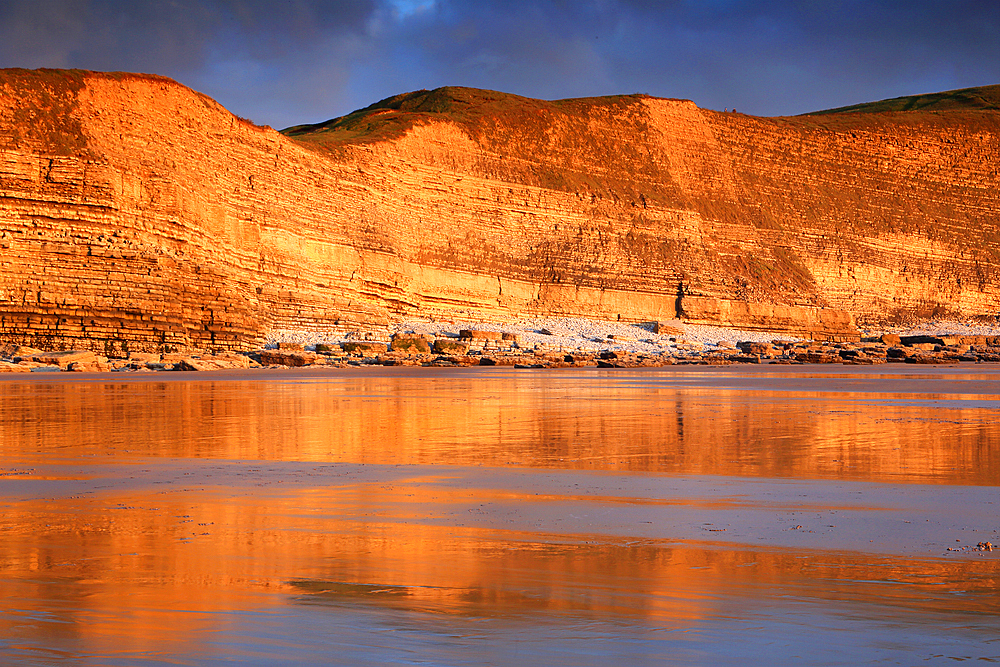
(965, 99)
(470, 107)
(478, 110)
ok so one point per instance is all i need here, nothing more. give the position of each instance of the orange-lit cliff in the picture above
(136, 213)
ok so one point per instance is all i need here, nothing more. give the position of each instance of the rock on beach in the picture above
(548, 343)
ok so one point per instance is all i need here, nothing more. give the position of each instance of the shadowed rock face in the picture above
(137, 214)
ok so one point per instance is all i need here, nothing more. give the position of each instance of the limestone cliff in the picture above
(137, 213)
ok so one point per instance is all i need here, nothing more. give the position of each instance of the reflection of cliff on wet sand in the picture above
(94, 587)
(646, 421)
(318, 518)
(672, 583)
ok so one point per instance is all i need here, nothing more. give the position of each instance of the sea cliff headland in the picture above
(138, 216)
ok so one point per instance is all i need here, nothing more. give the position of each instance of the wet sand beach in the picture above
(782, 514)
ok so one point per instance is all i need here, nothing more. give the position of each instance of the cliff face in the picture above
(135, 213)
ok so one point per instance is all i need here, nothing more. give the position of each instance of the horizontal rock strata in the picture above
(137, 215)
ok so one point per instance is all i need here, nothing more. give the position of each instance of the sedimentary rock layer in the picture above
(138, 214)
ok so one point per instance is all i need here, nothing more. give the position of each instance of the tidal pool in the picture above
(782, 515)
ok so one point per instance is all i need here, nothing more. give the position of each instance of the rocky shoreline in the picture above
(567, 344)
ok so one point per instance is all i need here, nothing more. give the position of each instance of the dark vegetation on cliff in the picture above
(473, 108)
(482, 110)
(45, 117)
(965, 99)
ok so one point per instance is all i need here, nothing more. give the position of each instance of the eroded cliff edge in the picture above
(135, 212)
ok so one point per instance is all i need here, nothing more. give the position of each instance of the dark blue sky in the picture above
(296, 61)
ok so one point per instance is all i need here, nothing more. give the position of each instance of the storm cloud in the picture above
(283, 63)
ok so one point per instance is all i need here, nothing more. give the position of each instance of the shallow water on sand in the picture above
(794, 515)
